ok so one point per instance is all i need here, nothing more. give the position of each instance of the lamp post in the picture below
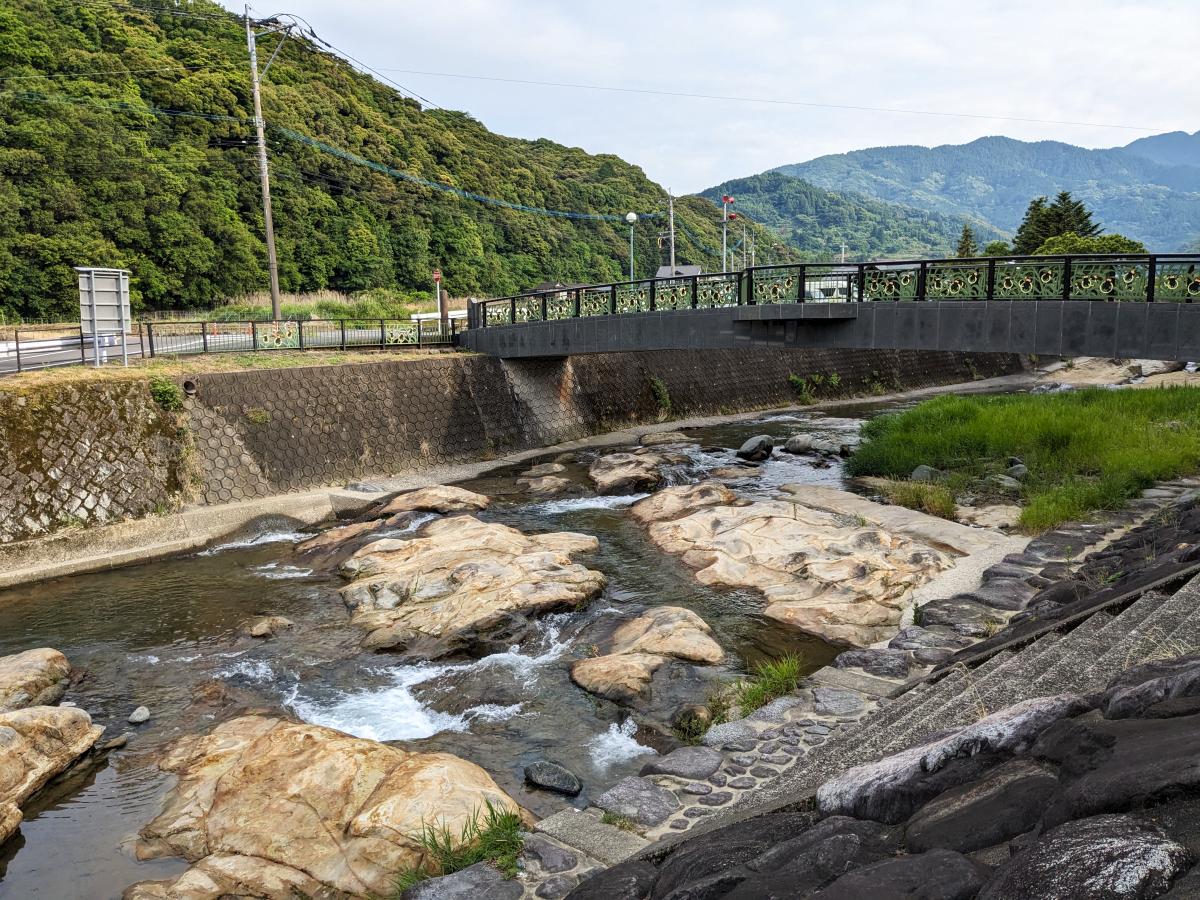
(631, 218)
(726, 202)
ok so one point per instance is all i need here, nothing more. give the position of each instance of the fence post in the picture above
(544, 310)
(578, 302)
(653, 291)
(749, 287)
(1066, 291)
(802, 284)
(862, 282)
(991, 280)
(921, 281)
(82, 348)
(300, 333)
(17, 344)
(512, 311)
(253, 334)
(150, 336)
(418, 332)
(382, 334)
(1151, 274)
(204, 335)
(342, 322)
(695, 291)
(612, 300)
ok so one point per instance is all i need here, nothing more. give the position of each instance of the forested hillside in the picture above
(138, 152)
(818, 222)
(993, 179)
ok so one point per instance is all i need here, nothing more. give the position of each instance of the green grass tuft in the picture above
(935, 499)
(770, 680)
(166, 393)
(616, 820)
(491, 835)
(1086, 450)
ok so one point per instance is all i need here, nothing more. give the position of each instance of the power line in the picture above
(445, 188)
(770, 100)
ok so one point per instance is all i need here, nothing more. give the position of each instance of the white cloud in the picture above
(1105, 61)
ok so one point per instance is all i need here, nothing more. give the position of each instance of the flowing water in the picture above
(165, 634)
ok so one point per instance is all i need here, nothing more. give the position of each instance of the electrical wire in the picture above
(769, 100)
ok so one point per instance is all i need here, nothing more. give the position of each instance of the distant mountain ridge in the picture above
(1148, 190)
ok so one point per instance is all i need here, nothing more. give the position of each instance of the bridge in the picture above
(1128, 306)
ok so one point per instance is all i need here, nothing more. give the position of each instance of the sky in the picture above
(1102, 62)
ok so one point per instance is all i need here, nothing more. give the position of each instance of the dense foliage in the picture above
(818, 222)
(1078, 462)
(92, 174)
(1045, 219)
(1101, 243)
(1143, 190)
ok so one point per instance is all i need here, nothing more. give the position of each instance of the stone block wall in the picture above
(87, 454)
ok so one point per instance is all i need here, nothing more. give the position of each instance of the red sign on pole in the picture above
(437, 274)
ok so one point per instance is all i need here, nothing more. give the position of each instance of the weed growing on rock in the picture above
(258, 416)
(770, 680)
(166, 393)
(492, 835)
(662, 396)
(616, 820)
(803, 389)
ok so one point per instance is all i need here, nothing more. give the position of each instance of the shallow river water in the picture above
(165, 634)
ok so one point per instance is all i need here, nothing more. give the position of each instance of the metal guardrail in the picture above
(1171, 277)
(44, 347)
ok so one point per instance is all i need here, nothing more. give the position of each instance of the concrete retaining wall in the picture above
(255, 434)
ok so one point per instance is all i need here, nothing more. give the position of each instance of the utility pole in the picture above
(726, 200)
(671, 220)
(843, 251)
(745, 248)
(264, 174)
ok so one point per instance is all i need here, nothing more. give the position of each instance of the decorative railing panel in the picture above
(673, 294)
(633, 297)
(714, 291)
(776, 285)
(891, 284)
(1029, 280)
(948, 281)
(595, 301)
(1177, 281)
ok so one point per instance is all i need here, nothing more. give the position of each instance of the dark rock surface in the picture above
(640, 800)
(477, 882)
(1143, 686)
(696, 763)
(552, 777)
(882, 663)
(1100, 858)
(941, 874)
(629, 880)
(757, 448)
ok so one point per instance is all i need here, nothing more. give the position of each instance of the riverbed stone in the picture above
(1135, 690)
(548, 855)
(37, 743)
(798, 443)
(669, 504)
(926, 473)
(551, 776)
(617, 472)
(687, 762)
(1107, 857)
(477, 882)
(338, 810)
(717, 798)
(139, 716)
(265, 626)
(541, 470)
(719, 735)
(32, 678)
(464, 584)
(555, 887)
(544, 485)
(640, 800)
(439, 498)
(881, 663)
(776, 710)
(821, 572)
(757, 448)
(961, 608)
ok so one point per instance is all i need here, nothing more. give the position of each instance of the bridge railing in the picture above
(1149, 278)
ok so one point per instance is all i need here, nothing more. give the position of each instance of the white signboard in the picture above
(104, 309)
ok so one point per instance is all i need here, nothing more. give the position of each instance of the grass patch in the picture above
(935, 499)
(802, 389)
(616, 820)
(662, 396)
(492, 834)
(769, 681)
(166, 393)
(1086, 450)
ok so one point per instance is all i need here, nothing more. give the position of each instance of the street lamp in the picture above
(631, 218)
(726, 202)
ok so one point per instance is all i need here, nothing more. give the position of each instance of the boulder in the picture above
(798, 443)
(881, 663)
(464, 584)
(437, 498)
(891, 789)
(552, 777)
(333, 538)
(478, 882)
(674, 502)
(32, 678)
(735, 473)
(845, 580)
(637, 648)
(1002, 593)
(1006, 802)
(832, 701)
(299, 804)
(1140, 687)
(1111, 857)
(617, 472)
(829, 448)
(926, 473)
(549, 856)
(541, 470)
(640, 800)
(1018, 471)
(757, 448)
(544, 485)
(961, 609)
(1003, 483)
(692, 763)
(941, 874)
(265, 626)
(665, 437)
(629, 880)
(37, 743)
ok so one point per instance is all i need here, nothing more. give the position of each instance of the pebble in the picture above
(743, 782)
(717, 779)
(763, 772)
(720, 798)
(679, 824)
(739, 746)
(742, 760)
(139, 715)
(696, 812)
(816, 729)
(769, 747)
(697, 787)
(735, 770)
(781, 759)
(789, 741)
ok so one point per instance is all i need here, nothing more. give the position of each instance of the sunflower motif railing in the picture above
(1159, 278)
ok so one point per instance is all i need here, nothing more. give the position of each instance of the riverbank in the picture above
(78, 550)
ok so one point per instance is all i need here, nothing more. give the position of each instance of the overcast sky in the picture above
(1096, 61)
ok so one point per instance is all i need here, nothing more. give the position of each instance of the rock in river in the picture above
(265, 807)
(436, 498)
(552, 777)
(848, 581)
(464, 584)
(640, 646)
(616, 472)
(33, 678)
(756, 449)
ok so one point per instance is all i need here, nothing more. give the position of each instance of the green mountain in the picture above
(818, 222)
(1131, 189)
(1175, 148)
(126, 140)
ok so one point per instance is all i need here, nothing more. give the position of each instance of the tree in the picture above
(967, 248)
(1044, 220)
(1076, 243)
(997, 248)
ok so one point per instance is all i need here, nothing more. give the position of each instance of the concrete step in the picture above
(1138, 642)
(1079, 641)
